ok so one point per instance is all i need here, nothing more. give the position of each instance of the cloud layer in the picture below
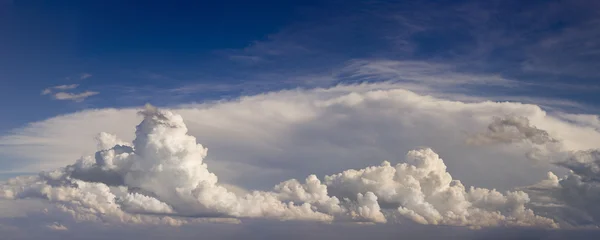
(161, 174)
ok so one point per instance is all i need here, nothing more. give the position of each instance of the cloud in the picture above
(77, 97)
(511, 129)
(162, 174)
(570, 199)
(59, 93)
(585, 164)
(85, 76)
(517, 129)
(59, 87)
(262, 128)
(424, 73)
(260, 140)
(57, 227)
(570, 51)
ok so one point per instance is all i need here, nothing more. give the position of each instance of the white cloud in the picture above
(261, 128)
(59, 87)
(162, 174)
(85, 75)
(77, 97)
(422, 73)
(59, 93)
(260, 140)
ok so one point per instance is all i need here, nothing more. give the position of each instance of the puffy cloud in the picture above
(573, 198)
(518, 129)
(423, 191)
(261, 139)
(570, 199)
(160, 174)
(511, 129)
(166, 164)
(585, 164)
(161, 177)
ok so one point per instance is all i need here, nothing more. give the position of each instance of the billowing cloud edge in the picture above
(161, 177)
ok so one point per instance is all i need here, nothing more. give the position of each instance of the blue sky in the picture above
(134, 52)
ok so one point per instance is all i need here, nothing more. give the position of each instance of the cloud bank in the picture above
(161, 174)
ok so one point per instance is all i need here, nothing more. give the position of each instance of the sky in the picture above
(382, 119)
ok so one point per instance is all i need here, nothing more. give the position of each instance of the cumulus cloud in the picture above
(60, 92)
(161, 177)
(266, 138)
(571, 199)
(263, 137)
(518, 130)
(511, 129)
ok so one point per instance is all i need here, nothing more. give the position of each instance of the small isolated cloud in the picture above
(57, 227)
(77, 97)
(60, 92)
(85, 75)
(59, 87)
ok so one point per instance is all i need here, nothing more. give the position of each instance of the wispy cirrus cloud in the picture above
(59, 87)
(425, 73)
(77, 97)
(85, 76)
(421, 43)
(61, 92)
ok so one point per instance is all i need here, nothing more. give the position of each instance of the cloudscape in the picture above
(300, 120)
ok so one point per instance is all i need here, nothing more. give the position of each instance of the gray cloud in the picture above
(585, 164)
(511, 129)
(572, 198)
(291, 136)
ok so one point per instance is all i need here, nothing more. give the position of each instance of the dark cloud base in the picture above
(291, 230)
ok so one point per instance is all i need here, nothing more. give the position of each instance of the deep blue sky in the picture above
(170, 52)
